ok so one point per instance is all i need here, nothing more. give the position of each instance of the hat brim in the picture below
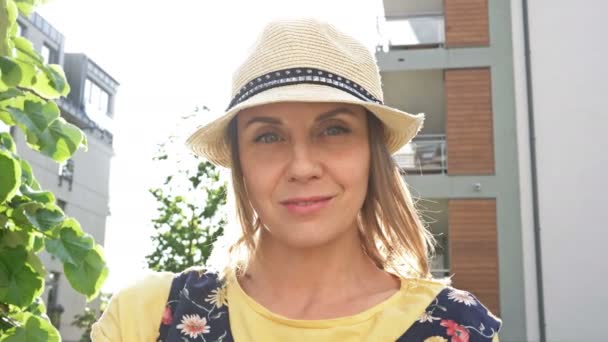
(210, 141)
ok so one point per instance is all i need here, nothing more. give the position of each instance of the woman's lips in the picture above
(306, 205)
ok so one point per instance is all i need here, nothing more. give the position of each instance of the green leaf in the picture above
(27, 6)
(33, 329)
(39, 196)
(51, 82)
(72, 244)
(46, 131)
(61, 140)
(42, 217)
(15, 238)
(8, 17)
(10, 174)
(34, 261)
(7, 142)
(35, 117)
(38, 243)
(11, 72)
(29, 72)
(19, 282)
(6, 117)
(37, 307)
(5, 95)
(26, 51)
(88, 277)
(27, 176)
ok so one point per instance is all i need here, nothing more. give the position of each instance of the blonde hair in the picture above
(391, 230)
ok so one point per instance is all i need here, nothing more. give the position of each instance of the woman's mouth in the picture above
(306, 205)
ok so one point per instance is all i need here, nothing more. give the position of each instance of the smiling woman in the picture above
(331, 246)
(305, 167)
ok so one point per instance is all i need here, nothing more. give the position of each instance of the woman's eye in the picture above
(268, 138)
(335, 130)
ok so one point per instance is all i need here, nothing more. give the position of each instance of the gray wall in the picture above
(418, 91)
(569, 72)
(412, 7)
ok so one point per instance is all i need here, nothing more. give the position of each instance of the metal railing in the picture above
(440, 272)
(427, 154)
(412, 31)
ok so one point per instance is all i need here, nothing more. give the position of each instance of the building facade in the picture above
(488, 166)
(81, 185)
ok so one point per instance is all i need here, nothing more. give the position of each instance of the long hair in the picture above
(392, 233)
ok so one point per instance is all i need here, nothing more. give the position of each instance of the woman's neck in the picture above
(279, 275)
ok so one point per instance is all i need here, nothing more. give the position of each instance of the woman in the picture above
(332, 248)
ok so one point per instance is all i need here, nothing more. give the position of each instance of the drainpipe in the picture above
(539, 264)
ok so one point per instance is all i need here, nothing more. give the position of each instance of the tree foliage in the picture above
(189, 218)
(30, 220)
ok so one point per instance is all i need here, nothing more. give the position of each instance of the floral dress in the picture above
(197, 310)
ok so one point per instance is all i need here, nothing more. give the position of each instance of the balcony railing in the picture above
(412, 32)
(87, 123)
(427, 154)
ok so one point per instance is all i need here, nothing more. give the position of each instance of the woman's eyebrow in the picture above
(334, 112)
(321, 117)
(263, 119)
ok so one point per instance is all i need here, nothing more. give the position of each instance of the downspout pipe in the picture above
(536, 214)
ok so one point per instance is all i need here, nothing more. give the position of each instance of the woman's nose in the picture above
(304, 164)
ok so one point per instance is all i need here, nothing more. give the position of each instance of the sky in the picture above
(170, 57)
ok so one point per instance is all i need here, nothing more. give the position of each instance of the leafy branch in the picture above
(30, 220)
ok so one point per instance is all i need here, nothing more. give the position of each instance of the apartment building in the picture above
(496, 159)
(81, 185)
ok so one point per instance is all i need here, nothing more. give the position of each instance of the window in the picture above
(66, 173)
(20, 29)
(61, 204)
(49, 55)
(53, 308)
(95, 99)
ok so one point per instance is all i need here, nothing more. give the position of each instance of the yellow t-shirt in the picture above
(134, 314)
(386, 321)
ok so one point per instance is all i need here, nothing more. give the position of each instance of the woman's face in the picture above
(306, 168)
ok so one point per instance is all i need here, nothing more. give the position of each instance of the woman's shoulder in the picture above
(150, 282)
(453, 312)
(146, 295)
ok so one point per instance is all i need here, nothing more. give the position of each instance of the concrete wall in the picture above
(412, 7)
(525, 175)
(569, 72)
(418, 91)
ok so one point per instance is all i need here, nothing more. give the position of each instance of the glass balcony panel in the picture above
(427, 154)
(413, 31)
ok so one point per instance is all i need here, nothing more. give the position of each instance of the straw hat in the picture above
(305, 60)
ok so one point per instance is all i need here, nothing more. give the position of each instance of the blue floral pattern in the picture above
(197, 310)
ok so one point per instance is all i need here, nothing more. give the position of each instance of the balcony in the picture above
(427, 154)
(78, 116)
(412, 32)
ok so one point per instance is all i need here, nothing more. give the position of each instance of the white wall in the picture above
(525, 174)
(569, 73)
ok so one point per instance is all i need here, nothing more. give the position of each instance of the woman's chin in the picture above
(309, 235)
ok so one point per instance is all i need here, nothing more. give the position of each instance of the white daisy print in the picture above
(462, 297)
(428, 317)
(193, 325)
